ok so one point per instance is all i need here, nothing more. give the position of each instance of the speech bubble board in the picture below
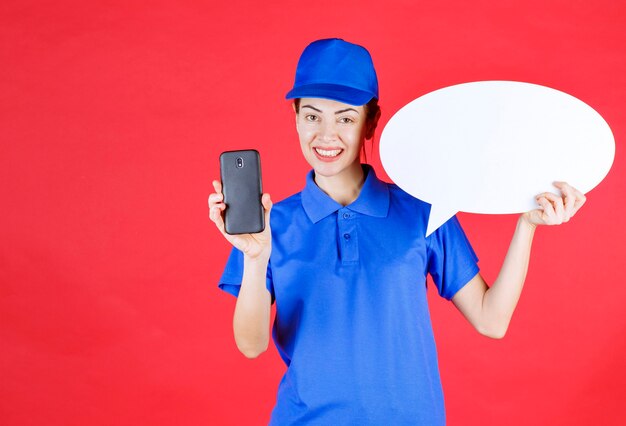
(492, 146)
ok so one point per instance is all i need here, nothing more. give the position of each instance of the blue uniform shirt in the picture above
(352, 321)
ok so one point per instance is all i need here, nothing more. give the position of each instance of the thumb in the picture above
(267, 205)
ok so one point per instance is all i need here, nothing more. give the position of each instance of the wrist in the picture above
(258, 259)
(524, 221)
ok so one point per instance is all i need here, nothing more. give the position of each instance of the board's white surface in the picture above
(492, 146)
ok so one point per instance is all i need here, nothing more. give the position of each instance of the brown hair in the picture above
(371, 110)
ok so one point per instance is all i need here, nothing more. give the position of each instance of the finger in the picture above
(219, 220)
(215, 198)
(548, 214)
(220, 206)
(214, 212)
(559, 209)
(267, 202)
(217, 185)
(569, 198)
(580, 200)
(267, 205)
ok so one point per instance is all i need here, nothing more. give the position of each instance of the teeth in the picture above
(328, 153)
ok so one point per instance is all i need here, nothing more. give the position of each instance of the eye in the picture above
(311, 117)
(346, 120)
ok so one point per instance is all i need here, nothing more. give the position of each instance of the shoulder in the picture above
(402, 196)
(289, 203)
(401, 199)
(286, 208)
(406, 210)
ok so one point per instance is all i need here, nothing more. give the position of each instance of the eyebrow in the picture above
(336, 112)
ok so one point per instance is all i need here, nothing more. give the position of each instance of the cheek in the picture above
(305, 134)
(356, 138)
(303, 138)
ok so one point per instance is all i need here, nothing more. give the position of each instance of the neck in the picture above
(344, 187)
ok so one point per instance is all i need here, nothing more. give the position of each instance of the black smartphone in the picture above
(240, 172)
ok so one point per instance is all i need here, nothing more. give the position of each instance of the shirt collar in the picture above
(373, 200)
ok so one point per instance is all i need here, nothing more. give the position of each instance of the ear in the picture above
(293, 105)
(371, 125)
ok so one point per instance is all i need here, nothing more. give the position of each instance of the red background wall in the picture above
(112, 117)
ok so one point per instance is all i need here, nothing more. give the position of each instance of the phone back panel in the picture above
(242, 189)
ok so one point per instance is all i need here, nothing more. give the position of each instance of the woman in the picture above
(346, 260)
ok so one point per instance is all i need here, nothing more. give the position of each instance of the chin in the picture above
(325, 170)
(328, 170)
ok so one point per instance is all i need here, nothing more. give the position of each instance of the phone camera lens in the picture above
(239, 162)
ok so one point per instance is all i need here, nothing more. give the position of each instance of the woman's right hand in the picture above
(254, 246)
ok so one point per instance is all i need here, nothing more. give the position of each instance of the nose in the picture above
(328, 132)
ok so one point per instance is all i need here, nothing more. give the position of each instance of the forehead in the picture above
(329, 105)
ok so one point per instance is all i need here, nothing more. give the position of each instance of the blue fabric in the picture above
(335, 69)
(352, 321)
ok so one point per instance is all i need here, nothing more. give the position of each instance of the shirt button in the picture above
(346, 236)
(346, 215)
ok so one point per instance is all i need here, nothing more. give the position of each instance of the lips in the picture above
(328, 154)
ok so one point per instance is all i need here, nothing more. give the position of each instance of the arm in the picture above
(251, 320)
(490, 310)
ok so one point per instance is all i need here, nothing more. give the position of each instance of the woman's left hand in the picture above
(555, 210)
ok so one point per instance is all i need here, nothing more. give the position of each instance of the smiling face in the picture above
(331, 134)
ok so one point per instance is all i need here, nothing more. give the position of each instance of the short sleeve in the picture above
(451, 258)
(232, 276)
